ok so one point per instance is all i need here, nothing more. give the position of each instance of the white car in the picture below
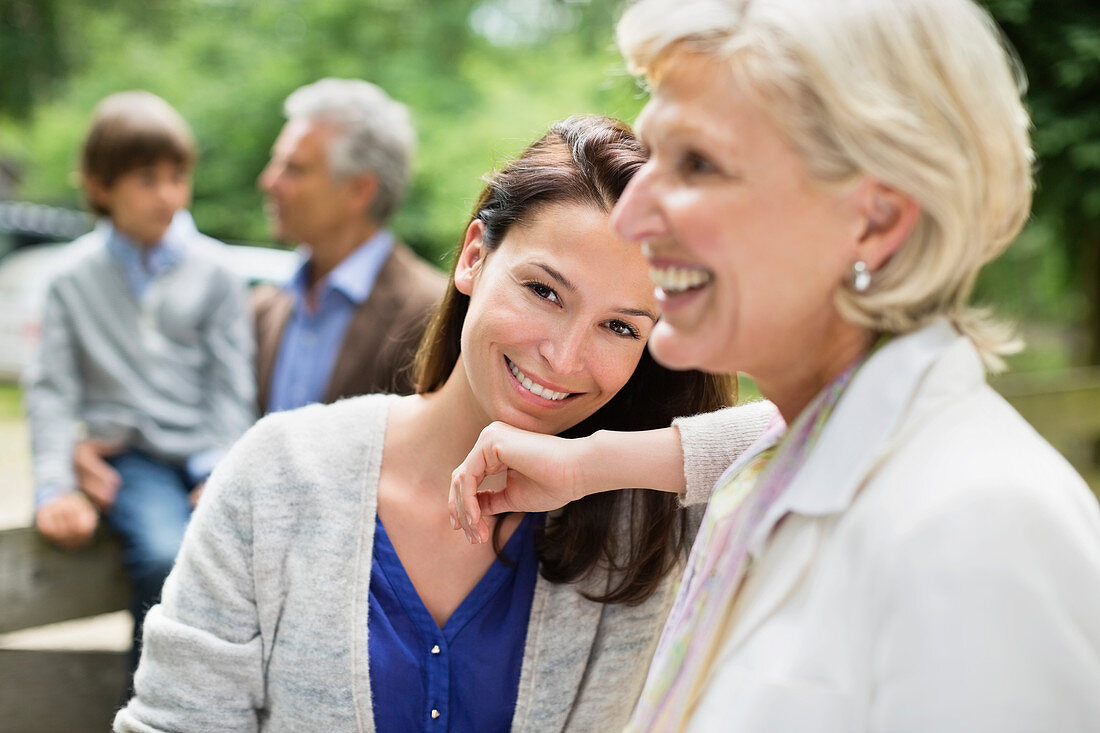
(25, 274)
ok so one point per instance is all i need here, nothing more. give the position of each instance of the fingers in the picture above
(89, 457)
(108, 476)
(196, 494)
(472, 481)
(463, 505)
(507, 470)
(97, 478)
(69, 521)
(105, 448)
(495, 503)
(101, 492)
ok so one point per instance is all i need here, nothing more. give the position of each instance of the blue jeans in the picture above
(150, 513)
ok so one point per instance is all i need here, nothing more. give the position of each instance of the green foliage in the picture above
(483, 78)
(227, 65)
(30, 54)
(1054, 270)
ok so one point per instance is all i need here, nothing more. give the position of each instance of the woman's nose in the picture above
(636, 216)
(565, 352)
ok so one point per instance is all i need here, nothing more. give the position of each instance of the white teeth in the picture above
(675, 280)
(534, 388)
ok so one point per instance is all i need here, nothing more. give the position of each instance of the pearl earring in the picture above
(861, 277)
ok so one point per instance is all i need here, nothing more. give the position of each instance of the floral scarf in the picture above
(718, 562)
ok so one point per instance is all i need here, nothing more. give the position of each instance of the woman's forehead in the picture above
(577, 243)
(692, 96)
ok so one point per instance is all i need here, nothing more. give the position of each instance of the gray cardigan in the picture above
(263, 623)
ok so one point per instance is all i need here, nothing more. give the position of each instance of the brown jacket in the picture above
(381, 340)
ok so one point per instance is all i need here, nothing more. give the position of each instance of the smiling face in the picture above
(143, 200)
(559, 315)
(745, 248)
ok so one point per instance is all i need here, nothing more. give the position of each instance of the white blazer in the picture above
(934, 566)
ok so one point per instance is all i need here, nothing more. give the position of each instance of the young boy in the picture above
(146, 347)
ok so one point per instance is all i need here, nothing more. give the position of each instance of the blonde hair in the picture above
(923, 95)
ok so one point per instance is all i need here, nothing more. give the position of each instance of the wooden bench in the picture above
(48, 691)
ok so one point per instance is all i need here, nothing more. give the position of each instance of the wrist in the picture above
(594, 475)
(645, 459)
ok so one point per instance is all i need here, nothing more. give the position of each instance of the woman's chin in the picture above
(677, 348)
(672, 348)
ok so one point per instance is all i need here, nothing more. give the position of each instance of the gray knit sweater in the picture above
(263, 623)
(169, 373)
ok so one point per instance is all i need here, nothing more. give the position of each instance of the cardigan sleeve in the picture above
(714, 440)
(202, 658)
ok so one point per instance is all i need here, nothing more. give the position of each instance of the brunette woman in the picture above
(321, 586)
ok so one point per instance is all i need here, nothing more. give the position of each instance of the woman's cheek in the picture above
(618, 364)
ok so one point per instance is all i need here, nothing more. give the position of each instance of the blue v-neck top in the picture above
(465, 676)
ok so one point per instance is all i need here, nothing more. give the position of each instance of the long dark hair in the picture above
(637, 535)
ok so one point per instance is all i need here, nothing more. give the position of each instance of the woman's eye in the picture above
(623, 329)
(695, 163)
(543, 291)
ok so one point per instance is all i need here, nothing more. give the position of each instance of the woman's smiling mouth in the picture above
(533, 387)
(676, 280)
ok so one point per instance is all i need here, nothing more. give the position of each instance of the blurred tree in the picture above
(30, 53)
(1058, 42)
(482, 78)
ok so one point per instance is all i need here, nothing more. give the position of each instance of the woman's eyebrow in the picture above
(560, 278)
(640, 312)
(568, 285)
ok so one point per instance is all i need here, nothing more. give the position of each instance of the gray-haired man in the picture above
(350, 319)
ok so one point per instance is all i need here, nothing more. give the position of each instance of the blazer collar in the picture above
(269, 336)
(370, 327)
(354, 276)
(889, 390)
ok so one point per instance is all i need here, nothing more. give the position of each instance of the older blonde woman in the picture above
(900, 550)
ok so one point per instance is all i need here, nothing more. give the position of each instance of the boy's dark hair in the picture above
(130, 130)
(638, 535)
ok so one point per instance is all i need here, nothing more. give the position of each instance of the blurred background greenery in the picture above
(484, 77)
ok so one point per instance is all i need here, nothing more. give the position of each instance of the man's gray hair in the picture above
(374, 134)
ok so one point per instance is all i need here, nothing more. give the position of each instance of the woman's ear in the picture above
(888, 218)
(471, 258)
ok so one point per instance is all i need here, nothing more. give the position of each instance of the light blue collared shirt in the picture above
(141, 266)
(312, 340)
